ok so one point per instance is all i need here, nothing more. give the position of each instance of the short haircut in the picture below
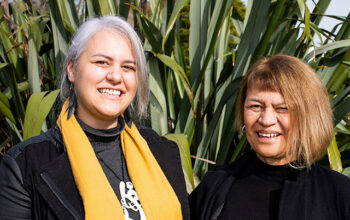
(79, 44)
(311, 127)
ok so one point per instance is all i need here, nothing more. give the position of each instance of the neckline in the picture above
(275, 173)
(111, 132)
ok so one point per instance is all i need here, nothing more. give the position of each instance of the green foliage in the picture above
(197, 53)
(184, 147)
(217, 59)
(40, 102)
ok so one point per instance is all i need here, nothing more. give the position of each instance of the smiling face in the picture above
(267, 122)
(105, 80)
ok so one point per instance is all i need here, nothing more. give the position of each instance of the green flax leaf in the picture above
(38, 107)
(180, 72)
(174, 15)
(334, 156)
(184, 148)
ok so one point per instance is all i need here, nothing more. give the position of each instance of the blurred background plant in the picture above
(197, 53)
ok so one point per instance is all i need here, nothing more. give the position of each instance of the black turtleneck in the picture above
(106, 144)
(256, 192)
(107, 147)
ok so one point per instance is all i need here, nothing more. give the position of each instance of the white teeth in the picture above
(268, 135)
(110, 92)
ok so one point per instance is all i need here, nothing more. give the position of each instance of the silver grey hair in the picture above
(79, 43)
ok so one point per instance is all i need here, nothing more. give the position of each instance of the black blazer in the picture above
(315, 194)
(36, 180)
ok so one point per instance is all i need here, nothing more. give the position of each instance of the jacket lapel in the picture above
(295, 201)
(57, 186)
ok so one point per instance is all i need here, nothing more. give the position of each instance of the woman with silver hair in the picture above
(96, 164)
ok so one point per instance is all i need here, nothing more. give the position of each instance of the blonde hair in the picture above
(306, 98)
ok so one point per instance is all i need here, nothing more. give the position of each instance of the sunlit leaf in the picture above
(346, 172)
(2, 65)
(158, 107)
(328, 47)
(59, 37)
(180, 72)
(38, 107)
(5, 108)
(342, 129)
(334, 156)
(68, 15)
(174, 15)
(107, 7)
(33, 68)
(184, 148)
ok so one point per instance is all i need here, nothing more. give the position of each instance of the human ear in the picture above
(70, 71)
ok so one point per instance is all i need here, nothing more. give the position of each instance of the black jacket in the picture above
(36, 180)
(318, 193)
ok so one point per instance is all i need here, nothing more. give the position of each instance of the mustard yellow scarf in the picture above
(156, 195)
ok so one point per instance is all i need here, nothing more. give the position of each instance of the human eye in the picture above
(282, 109)
(130, 68)
(101, 62)
(255, 107)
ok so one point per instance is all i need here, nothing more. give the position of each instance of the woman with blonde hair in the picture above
(96, 164)
(284, 111)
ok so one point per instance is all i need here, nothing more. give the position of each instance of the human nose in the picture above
(115, 74)
(268, 117)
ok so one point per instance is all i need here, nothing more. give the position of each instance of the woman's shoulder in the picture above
(148, 133)
(153, 137)
(52, 137)
(164, 150)
(334, 187)
(332, 178)
(219, 180)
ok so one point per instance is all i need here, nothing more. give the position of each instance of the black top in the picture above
(307, 194)
(106, 144)
(36, 179)
(107, 147)
(256, 195)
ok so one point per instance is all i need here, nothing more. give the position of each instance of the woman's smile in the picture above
(266, 119)
(105, 79)
(110, 92)
(267, 136)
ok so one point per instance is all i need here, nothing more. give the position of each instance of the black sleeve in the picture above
(15, 201)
